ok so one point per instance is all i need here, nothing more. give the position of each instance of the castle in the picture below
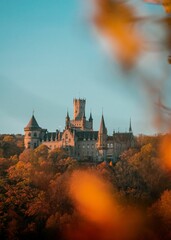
(79, 138)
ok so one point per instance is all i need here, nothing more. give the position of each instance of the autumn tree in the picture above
(10, 145)
(160, 216)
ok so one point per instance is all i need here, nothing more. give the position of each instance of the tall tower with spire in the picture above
(32, 134)
(102, 140)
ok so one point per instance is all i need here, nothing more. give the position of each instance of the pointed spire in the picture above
(67, 121)
(130, 127)
(90, 118)
(32, 123)
(102, 126)
(67, 116)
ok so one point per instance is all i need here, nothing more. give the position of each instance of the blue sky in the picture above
(48, 56)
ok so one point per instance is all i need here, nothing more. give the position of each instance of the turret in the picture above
(32, 134)
(67, 121)
(130, 127)
(102, 130)
(102, 140)
(91, 121)
(90, 118)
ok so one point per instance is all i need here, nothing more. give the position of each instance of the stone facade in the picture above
(79, 138)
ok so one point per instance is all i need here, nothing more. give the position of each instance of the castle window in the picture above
(35, 145)
(29, 134)
(35, 134)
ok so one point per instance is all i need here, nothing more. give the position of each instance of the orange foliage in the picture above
(102, 217)
(167, 5)
(116, 21)
(165, 151)
(93, 197)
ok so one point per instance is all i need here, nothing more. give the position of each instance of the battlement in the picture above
(79, 108)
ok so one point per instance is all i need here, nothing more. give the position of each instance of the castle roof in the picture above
(122, 137)
(51, 136)
(110, 138)
(86, 135)
(32, 124)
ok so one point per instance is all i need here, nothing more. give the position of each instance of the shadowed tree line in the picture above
(34, 190)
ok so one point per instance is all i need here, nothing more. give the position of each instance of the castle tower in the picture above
(32, 134)
(102, 140)
(79, 108)
(79, 121)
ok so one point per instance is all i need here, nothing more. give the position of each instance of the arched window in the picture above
(29, 134)
(35, 134)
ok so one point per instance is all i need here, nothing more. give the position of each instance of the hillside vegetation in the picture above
(49, 195)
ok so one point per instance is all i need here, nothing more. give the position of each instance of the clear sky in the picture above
(48, 56)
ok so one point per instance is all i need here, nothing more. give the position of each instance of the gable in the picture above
(68, 138)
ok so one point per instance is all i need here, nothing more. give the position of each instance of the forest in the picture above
(49, 195)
